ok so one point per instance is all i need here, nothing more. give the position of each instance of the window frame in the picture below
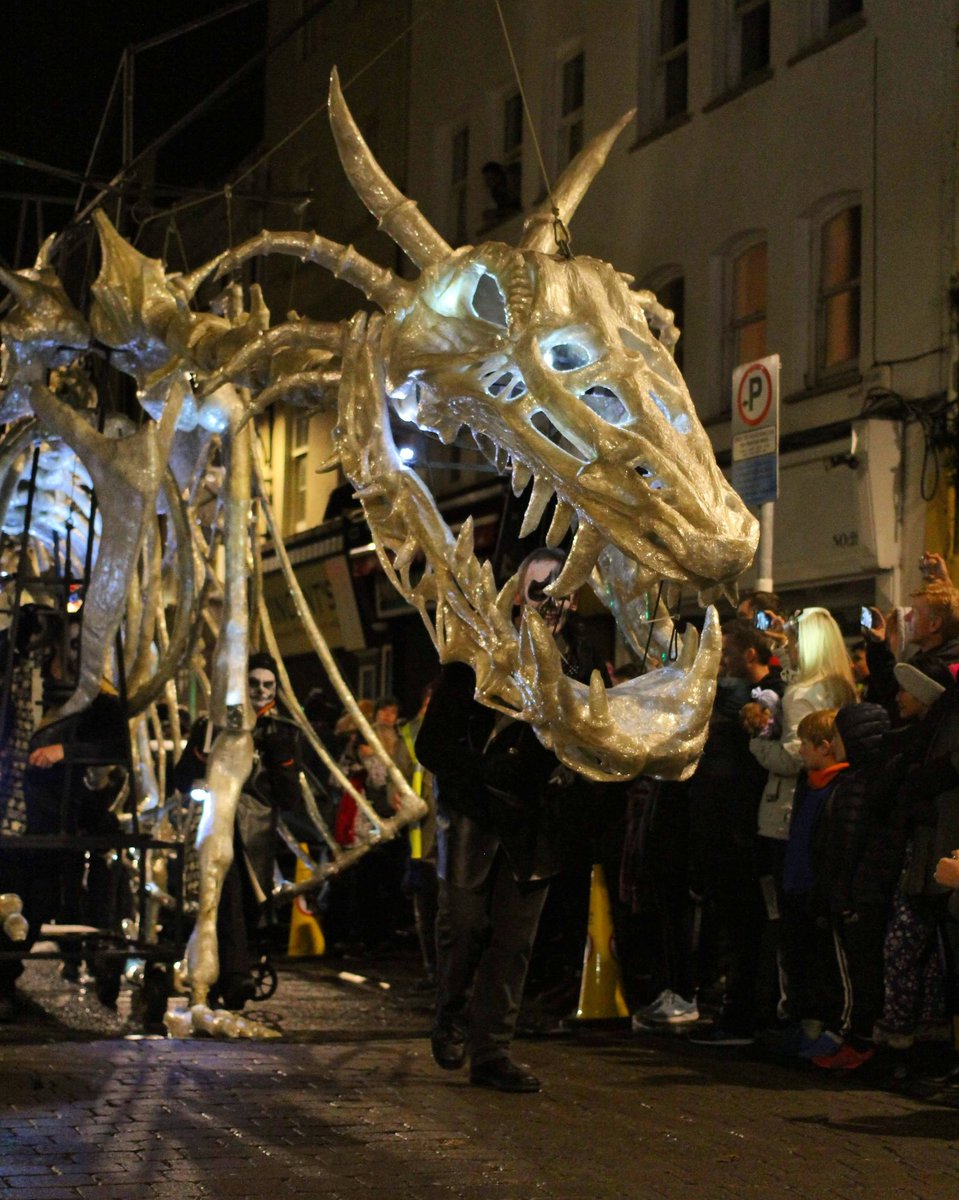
(733, 322)
(823, 372)
(729, 28)
(662, 59)
(513, 152)
(816, 31)
(296, 490)
(567, 121)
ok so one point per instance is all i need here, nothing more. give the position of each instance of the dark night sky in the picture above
(60, 58)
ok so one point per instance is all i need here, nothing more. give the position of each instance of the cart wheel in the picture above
(266, 979)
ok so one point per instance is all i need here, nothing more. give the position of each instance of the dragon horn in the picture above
(396, 213)
(570, 188)
(19, 287)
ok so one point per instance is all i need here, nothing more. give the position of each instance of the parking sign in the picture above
(755, 431)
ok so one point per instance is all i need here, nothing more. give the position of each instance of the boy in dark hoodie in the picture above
(817, 996)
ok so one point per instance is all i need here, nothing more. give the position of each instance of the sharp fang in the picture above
(329, 464)
(731, 592)
(506, 597)
(538, 652)
(562, 516)
(586, 547)
(521, 477)
(598, 704)
(447, 431)
(537, 505)
(708, 596)
(687, 655)
(464, 543)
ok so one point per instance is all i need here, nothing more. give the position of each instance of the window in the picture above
(821, 23)
(297, 467)
(838, 11)
(838, 292)
(672, 68)
(747, 41)
(504, 179)
(746, 299)
(513, 148)
(459, 179)
(569, 134)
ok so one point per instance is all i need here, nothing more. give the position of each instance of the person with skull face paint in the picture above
(273, 785)
(497, 850)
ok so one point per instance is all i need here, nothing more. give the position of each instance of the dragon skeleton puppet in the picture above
(561, 371)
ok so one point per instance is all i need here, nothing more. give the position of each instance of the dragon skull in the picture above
(565, 377)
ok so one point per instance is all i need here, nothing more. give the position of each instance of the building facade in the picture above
(787, 185)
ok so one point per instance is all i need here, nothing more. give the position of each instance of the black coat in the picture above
(724, 793)
(849, 872)
(490, 777)
(97, 736)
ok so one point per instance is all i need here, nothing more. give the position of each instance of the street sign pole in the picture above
(755, 450)
(764, 580)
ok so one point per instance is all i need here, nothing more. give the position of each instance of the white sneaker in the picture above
(676, 1012)
(642, 1015)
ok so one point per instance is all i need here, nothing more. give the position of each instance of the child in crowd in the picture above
(814, 991)
(762, 715)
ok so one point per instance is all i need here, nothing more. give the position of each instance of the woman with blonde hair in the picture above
(820, 677)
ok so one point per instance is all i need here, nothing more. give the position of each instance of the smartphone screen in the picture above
(761, 620)
(865, 617)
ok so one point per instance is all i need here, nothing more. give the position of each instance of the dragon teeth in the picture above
(598, 703)
(505, 598)
(542, 493)
(687, 655)
(580, 561)
(464, 543)
(562, 516)
(521, 477)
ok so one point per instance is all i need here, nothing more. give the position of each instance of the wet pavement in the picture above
(348, 1104)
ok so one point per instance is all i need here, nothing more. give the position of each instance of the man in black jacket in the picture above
(497, 850)
(724, 794)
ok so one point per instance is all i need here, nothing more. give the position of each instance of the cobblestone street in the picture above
(349, 1105)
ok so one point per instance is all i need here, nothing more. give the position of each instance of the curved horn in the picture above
(376, 282)
(396, 213)
(570, 188)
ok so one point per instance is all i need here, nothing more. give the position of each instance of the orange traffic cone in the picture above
(306, 936)
(601, 992)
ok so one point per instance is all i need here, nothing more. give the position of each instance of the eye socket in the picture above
(566, 356)
(488, 301)
(605, 404)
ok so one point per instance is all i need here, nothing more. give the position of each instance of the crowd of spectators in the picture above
(799, 892)
(805, 896)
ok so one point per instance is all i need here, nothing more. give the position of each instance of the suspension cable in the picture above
(560, 232)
